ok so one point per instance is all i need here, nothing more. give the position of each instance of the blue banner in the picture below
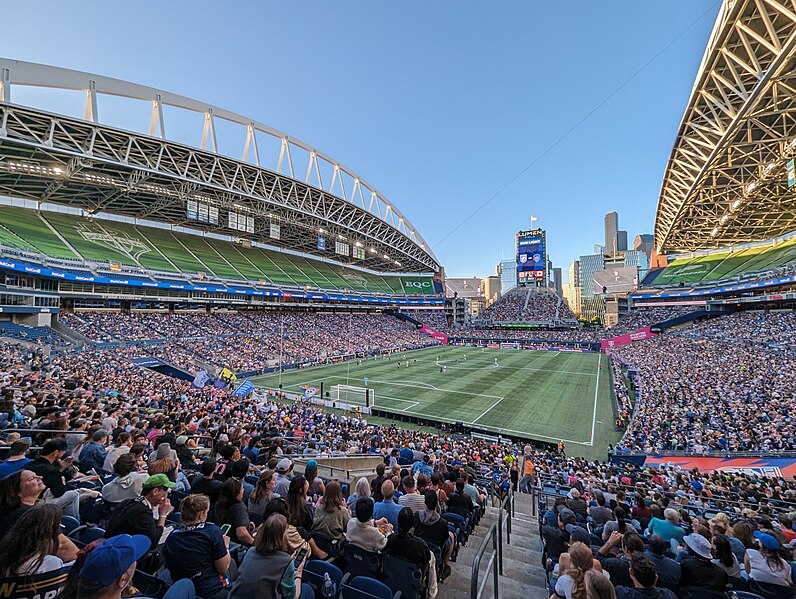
(133, 282)
(244, 389)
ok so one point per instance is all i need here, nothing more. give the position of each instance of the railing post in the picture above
(495, 570)
(500, 543)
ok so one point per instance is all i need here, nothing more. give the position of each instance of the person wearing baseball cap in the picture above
(765, 564)
(283, 469)
(697, 569)
(109, 568)
(144, 515)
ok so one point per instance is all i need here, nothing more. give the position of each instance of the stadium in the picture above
(242, 340)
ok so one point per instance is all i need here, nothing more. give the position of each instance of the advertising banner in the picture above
(434, 334)
(784, 467)
(619, 340)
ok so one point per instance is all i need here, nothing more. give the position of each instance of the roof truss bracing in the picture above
(726, 180)
(95, 168)
(281, 175)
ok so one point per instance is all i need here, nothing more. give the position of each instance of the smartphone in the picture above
(225, 529)
(300, 556)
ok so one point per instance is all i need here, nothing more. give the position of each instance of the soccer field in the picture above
(544, 395)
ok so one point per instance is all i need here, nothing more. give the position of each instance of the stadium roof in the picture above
(277, 180)
(726, 181)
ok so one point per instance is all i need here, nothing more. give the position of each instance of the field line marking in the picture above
(596, 388)
(485, 412)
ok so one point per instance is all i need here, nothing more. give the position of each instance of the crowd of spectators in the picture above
(723, 384)
(248, 341)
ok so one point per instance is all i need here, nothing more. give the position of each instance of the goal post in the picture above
(362, 396)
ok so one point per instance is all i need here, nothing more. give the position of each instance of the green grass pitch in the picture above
(545, 395)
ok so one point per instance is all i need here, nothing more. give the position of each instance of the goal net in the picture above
(361, 396)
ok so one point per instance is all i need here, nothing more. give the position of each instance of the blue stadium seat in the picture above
(68, 524)
(363, 587)
(359, 562)
(406, 577)
(313, 575)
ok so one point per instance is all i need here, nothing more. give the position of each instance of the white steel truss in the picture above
(96, 167)
(726, 181)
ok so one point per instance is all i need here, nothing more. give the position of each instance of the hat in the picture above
(108, 561)
(164, 450)
(577, 533)
(766, 540)
(158, 480)
(182, 440)
(284, 465)
(699, 545)
(567, 516)
(311, 466)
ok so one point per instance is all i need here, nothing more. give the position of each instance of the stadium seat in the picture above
(359, 562)
(403, 576)
(313, 575)
(362, 587)
(771, 591)
(47, 584)
(745, 595)
(69, 524)
(149, 585)
(327, 544)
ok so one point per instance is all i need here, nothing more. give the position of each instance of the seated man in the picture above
(55, 474)
(407, 546)
(433, 528)
(644, 577)
(669, 528)
(144, 515)
(17, 460)
(92, 456)
(363, 532)
(556, 537)
(619, 567)
(109, 568)
(667, 569)
(205, 483)
(387, 508)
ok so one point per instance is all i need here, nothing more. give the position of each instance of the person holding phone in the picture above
(268, 571)
(199, 550)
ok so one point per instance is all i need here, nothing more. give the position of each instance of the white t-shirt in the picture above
(50, 563)
(761, 572)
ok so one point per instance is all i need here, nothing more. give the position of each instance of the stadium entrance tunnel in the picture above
(163, 368)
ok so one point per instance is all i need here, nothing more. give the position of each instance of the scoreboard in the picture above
(531, 257)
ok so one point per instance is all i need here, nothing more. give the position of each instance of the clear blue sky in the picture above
(438, 104)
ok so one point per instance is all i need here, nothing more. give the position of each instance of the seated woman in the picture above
(127, 484)
(300, 512)
(18, 494)
(294, 539)
(263, 492)
(361, 489)
(332, 516)
(268, 569)
(33, 543)
(197, 550)
(765, 564)
(230, 510)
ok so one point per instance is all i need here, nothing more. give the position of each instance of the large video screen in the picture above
(620, 279)
(530, 257)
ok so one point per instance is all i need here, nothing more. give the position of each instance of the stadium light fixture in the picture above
(358, 244)
(714, 231)
(372, 250)
(770, 167)
(725, 218)
(321, 231)
(735, 204)
(751, 187)
(792, 143)
(58, 170)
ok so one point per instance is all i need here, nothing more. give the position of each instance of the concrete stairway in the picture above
(523, 576)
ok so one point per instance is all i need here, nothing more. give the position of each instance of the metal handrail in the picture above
(476, 589)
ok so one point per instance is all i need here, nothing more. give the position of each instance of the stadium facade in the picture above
(96, 212)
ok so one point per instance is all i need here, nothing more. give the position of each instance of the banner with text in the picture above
(434, 334)
(778, 467)
(619, 340)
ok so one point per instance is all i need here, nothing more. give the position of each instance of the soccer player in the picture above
(496, 363)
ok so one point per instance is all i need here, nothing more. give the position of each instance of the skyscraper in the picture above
(621, 241)
(644, 243)
(507, 271)
(611, 232)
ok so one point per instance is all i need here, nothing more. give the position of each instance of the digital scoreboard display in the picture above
(531, 258)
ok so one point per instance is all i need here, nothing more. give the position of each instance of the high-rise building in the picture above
(572, 297)
(558, 282)
(507, 271)
(574, 273)
(644, 243)
(492, 289)
(611, 222)
(592, 306)
(621, 241)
